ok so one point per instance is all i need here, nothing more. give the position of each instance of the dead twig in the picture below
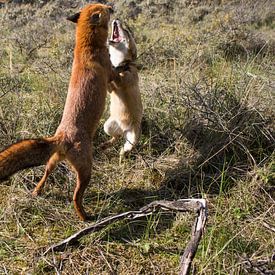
(260, 265)
(198, 229)
(183, 205)
(269, 226)
(112, 271)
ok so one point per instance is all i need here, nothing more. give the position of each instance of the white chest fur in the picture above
(117, 54)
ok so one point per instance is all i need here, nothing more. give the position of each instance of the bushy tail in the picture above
(26, 154)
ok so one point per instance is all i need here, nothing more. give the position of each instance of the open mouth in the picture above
(116, 37)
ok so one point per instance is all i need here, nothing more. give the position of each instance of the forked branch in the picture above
(195, 205)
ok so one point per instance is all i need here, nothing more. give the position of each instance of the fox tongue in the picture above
(116, 36)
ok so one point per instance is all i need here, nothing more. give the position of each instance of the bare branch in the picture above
(268, 226)
(198, 229)
(183, 205)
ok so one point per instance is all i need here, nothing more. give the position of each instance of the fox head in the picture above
(122, 46)
(92, 17)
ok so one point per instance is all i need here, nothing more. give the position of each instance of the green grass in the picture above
(207, 83)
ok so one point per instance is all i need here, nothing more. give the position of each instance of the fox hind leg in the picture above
(131, 140)
(51, 164)
(81, 161)
(111, 128)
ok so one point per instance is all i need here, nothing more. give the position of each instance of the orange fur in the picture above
(84, 106)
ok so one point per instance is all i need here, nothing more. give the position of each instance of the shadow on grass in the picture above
(229, 136)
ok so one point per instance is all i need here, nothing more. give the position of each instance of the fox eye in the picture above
(111, 10)
(95, 18)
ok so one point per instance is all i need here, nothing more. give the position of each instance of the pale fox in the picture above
(125, 105)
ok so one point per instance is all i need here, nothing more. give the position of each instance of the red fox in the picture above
(91, 73)
(126, 106)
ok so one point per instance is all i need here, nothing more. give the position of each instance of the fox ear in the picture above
(74, 18)
(111, 10)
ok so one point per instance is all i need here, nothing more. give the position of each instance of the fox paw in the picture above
(35, 193)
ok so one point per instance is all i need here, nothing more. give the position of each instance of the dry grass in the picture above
(207, 83)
